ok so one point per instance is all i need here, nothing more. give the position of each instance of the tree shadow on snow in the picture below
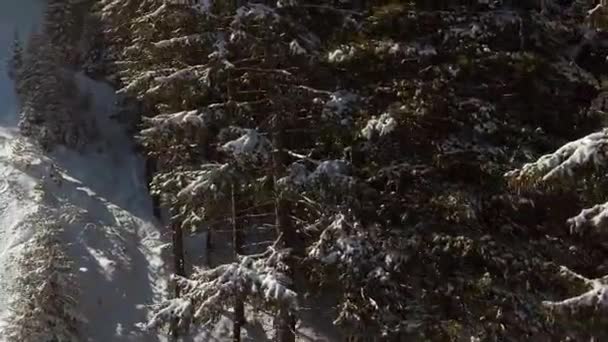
(115, 276)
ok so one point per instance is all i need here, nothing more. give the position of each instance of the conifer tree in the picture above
(44, 306)
(361, 142)
(15, 63)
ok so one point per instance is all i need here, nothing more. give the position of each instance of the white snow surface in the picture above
(100, 198)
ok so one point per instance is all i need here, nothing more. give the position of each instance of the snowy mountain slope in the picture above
(115, 239)
(16, 187)
(99, 197)
(17, 203)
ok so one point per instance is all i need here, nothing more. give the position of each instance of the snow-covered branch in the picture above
(596, 298)
(183, 41)
(595, 218)
(208, 293)
(251, 145)
(382, 125)
(590, 151)
(366, 265)
(334, 174)
(168, 122)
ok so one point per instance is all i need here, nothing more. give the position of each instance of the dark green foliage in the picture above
(417, 113)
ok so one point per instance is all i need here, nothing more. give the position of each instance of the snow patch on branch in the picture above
(595, 217)
(340, 104)
(188, 74)
(574, 73)
(208, 181)
(381, 126)
(331, 169)
(168, 122)
(296, 49)
(188, 40)
(142, 81)
(251, 144)
(334, 173)
(342, 54)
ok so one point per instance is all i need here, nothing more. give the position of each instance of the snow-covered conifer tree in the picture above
(15, 63)
(45, 295)
(362, 143)
(225, 120)
(49, 97)
(58, 26)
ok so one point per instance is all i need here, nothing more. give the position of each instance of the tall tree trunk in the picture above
(285, 321)
(178, 265)
(202, 139)
(178, 252)
(237, 243)
(207, 248)
(150, 170)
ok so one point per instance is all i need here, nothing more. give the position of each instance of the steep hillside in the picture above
(97, 208)
(81, 252)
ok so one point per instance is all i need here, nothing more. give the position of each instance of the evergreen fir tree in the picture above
(15, 63)
(374, 145)
(44, 306)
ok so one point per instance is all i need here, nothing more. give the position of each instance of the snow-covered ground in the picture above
(15, 186)
(110, 232)
(116, 240)
(100, 198)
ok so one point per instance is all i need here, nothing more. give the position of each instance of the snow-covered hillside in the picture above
(14, 185)
(99, 197)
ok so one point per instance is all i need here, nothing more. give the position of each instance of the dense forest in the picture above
(362, 170)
